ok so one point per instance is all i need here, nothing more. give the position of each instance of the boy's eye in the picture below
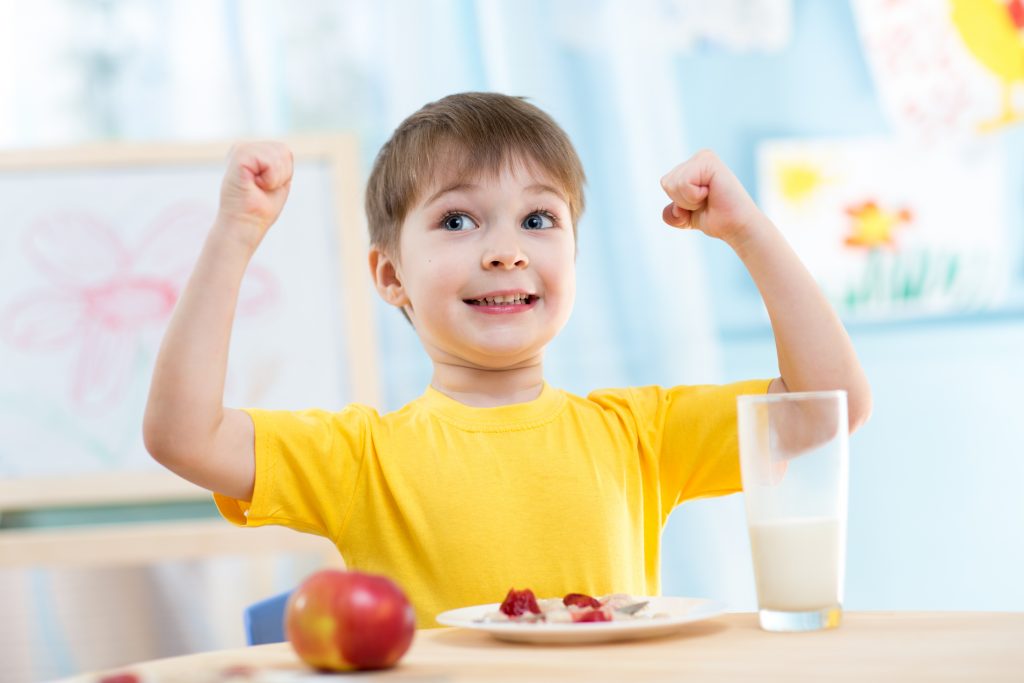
(538, 220)
(455, 222)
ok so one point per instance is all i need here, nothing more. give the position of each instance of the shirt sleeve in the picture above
(307, 468)
(690, 433)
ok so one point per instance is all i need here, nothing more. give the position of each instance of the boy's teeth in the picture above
(496, 300)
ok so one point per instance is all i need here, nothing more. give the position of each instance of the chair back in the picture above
(264, 620)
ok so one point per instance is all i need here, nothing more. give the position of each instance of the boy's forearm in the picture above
(814, 350)
(186, 397)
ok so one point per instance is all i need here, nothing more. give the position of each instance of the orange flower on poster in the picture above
(873, 226)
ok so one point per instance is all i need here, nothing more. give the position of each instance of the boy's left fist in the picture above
(707, 196)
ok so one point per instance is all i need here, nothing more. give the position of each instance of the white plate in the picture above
(680, 611)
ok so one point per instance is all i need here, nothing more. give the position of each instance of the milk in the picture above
(797, 563)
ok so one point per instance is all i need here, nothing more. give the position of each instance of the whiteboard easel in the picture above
(332, 169)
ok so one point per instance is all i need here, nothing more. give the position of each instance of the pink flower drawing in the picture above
(102, 294)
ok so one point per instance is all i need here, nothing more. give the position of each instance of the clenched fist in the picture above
(707, 196)
(255, 187)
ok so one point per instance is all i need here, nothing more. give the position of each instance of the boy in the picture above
(492, 478)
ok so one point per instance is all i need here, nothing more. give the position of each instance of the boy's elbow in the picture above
(155, 439)
(163, 442)
(859, 407)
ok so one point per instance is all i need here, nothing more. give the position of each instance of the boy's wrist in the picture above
(756, 234)
(236, 233)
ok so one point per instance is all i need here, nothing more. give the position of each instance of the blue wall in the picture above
(936, 508)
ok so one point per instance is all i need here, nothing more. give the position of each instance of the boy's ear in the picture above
(384, 271)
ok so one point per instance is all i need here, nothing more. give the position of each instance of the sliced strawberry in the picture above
(518, 603)
(591, 615)
(580, 600)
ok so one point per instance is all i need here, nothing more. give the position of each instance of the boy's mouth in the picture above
(503, 300)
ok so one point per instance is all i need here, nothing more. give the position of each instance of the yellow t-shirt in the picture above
(458, 504)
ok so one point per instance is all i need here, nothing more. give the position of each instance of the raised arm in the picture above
(814, 350)
(186, 427)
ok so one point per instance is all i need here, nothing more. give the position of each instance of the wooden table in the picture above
(869, 647)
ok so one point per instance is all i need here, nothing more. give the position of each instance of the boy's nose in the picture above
(506, 255)
(508, 262)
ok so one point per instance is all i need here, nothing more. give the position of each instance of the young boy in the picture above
(493, 478)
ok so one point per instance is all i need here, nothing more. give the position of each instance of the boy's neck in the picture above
(483, 388)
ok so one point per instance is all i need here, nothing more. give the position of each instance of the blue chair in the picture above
(264, 620)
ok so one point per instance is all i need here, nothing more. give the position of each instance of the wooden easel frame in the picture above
(130, 543)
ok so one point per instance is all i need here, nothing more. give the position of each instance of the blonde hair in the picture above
(466, 134)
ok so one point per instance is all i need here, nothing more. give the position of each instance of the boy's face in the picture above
(486, 268)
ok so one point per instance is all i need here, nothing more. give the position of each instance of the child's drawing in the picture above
(993, 33)
(102, 293)
(946, 67)
(874, 223)
(93, 259)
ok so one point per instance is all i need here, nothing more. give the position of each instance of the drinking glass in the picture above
(794, 459)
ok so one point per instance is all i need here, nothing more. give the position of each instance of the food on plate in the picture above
(522, 606)
(581, 600)
(518, 603)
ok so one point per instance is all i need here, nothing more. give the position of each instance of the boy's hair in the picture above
(465, 135)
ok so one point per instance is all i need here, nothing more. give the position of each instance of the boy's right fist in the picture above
(255, 186)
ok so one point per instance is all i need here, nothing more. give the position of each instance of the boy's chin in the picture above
(505, 359)
(491, 359)
(498, 351)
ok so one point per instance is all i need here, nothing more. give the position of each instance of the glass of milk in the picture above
(794, 458)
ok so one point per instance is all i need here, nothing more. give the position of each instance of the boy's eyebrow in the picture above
(536, 188)
(457, 187)
(541, 188)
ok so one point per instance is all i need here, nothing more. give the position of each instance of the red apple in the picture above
(341, 620)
